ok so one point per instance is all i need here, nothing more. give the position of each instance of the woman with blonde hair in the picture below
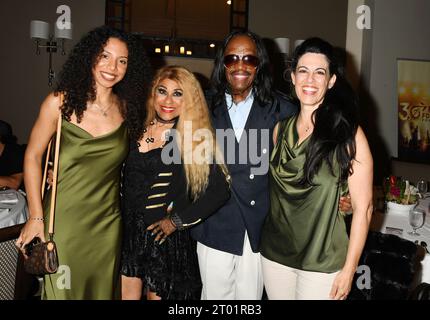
(169, 185)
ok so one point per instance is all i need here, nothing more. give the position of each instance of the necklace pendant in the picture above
(149, 140)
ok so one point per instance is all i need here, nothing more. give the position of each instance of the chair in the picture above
(392, 264)
(15, 283)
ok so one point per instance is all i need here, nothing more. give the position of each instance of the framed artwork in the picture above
(413, 92)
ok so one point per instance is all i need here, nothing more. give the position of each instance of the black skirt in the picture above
(170, 270)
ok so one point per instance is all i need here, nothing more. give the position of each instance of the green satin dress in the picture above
(304, 229)
(87, 217)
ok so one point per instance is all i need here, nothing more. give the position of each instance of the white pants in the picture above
(285, 283)
(226, 276)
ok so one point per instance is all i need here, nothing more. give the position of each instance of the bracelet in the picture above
(37, 219)
(172, 223)
(176, 220)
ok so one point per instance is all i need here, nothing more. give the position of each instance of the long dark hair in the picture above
(263, 79)
(77, 83)
(335, 120)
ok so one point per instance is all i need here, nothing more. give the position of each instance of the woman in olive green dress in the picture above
(99, 95)
(319, 154)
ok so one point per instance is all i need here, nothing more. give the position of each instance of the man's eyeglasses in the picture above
(248, 60)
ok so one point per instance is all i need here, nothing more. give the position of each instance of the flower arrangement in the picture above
(400, 191)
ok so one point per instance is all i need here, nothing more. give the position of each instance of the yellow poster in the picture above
(414, 110)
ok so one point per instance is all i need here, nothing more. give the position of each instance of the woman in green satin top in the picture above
(99, 95)
(319, 155)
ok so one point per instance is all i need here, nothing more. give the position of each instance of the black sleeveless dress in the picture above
(170, 269)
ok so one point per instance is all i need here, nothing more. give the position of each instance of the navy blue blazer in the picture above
(249, 202)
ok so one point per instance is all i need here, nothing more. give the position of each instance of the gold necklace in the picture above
(307, 128)
(103, 111)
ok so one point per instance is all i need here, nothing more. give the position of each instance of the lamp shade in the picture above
(39, 29)
(297, 43)
(283, 45)
(65, 33)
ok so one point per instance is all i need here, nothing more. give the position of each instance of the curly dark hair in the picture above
(263, 82)
(77, 83)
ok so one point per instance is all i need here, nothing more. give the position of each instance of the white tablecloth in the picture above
(13, 208)
(381, 221)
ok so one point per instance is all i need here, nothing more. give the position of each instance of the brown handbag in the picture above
(41, 257)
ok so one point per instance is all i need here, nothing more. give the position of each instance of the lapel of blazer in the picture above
(221, 117)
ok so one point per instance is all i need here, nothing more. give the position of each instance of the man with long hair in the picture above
(245, 108)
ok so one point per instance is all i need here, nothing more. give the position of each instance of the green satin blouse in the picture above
(304, 228)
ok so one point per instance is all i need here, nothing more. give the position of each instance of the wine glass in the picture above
(416, 220)
(422, 187)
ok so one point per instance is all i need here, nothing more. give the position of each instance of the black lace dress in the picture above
(170, 269)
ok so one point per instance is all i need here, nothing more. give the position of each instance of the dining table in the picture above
(13, 214)
(398, 224)
(13, 208)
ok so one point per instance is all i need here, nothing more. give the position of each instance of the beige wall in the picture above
(24, 83)
(399, 30)
(300, 19)
(354, 44)
(411, 171)
(198, 66)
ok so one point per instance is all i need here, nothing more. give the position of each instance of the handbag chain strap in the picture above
(55, 173)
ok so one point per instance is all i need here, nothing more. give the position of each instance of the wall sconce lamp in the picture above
(283, 45)
(39, 30)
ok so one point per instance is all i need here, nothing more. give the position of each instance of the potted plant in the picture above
(400, 195)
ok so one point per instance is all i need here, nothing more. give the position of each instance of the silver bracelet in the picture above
(37, 219)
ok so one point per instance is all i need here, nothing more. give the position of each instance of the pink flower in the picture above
(395, 191)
